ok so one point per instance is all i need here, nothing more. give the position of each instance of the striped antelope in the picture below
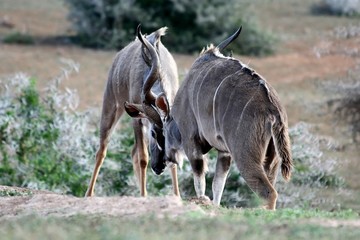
(223, 104)
(125, 83)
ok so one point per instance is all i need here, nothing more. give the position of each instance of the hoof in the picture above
(266, 207)
(89, 194)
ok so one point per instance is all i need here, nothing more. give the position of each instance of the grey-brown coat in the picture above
(125, 83)
(223, 104)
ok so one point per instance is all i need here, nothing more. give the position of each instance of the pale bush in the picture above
(344, 100)
(351, 31)
(313, 172)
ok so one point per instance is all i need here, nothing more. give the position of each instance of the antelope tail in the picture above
(283, 147)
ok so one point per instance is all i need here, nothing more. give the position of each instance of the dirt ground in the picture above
(294, 71)
(44, 203)
(48, 204)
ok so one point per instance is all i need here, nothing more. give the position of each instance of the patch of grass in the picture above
(226, 224)
(288, 214)
(14, 193)
(19, 38)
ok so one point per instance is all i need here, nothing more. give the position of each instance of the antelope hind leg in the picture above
(256, 178)
(100, 156)
(251, 156)
(271, 163)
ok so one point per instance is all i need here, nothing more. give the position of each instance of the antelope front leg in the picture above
(199, 167)
(144, 159)
(221, 172)
(174, 179)
(140, 155)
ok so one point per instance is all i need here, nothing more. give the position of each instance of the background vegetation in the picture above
(46, 144)
(345, 100)
(18, 38)
(111, 24)
(337, 7)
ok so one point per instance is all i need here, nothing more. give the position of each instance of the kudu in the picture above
(223, 104)
(126, 83)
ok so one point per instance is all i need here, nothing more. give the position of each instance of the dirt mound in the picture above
(50, 204)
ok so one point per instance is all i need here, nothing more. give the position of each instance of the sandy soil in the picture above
(45, 203)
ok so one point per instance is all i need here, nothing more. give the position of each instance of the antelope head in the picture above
(147, 108)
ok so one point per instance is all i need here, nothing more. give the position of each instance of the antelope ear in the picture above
(134, 110)
(162, 103)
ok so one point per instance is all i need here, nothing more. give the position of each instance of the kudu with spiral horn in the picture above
(126, 84)
(225, 105)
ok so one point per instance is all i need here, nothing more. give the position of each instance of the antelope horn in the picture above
(145, 56)
(227, 41)
(147, 97)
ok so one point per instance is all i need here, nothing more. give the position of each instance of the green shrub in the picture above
(192, 24)
(37, 144)
(45, 144)
(18, 38)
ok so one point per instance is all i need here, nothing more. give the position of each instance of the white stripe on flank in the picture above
(214, 98)
(197, 96)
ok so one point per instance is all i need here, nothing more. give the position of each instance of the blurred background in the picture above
(54, 60)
